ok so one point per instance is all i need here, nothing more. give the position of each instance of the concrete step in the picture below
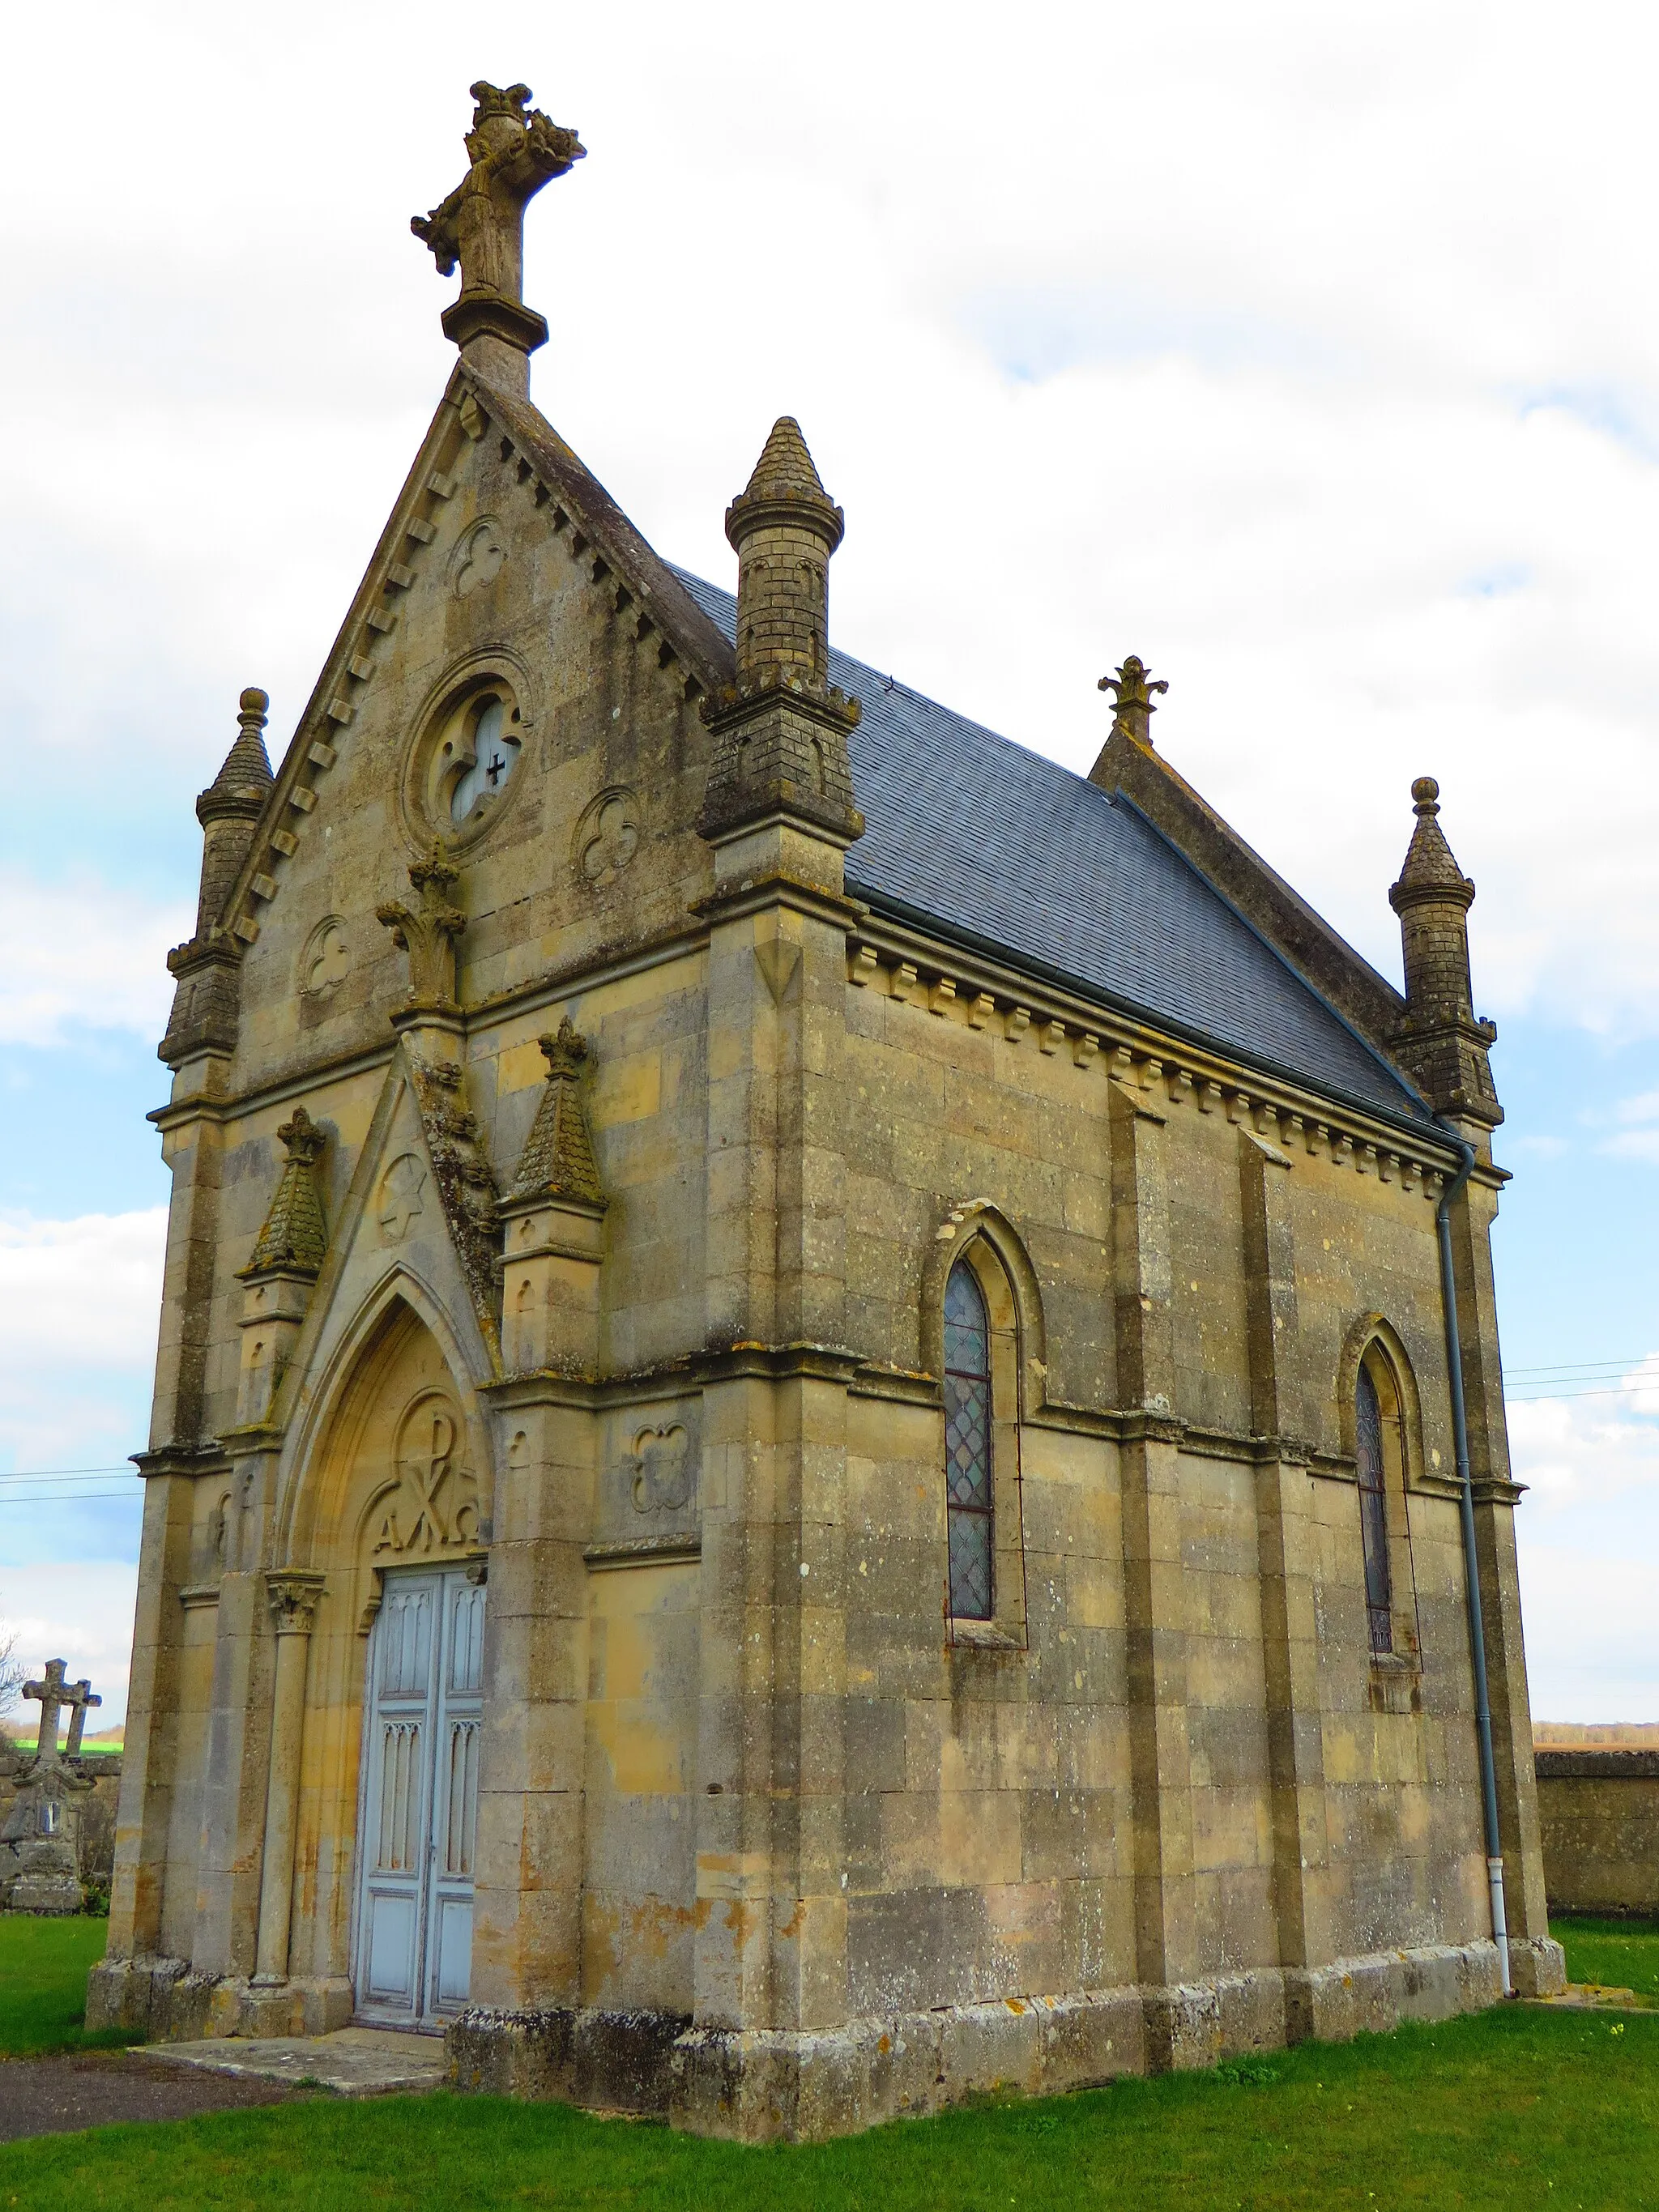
(353, 2062)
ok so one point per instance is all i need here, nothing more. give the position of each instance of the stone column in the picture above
(771, 1944)
(294, 1599)
(144, 1815)
(192, 1142)
(1534, 1958)
(1287, 1540)
(1153, 1593)
(526, 1911)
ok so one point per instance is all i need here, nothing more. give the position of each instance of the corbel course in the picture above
(951, 987)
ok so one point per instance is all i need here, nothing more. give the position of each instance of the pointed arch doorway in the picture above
(392, 1507)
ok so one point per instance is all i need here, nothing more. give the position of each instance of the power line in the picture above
(1585, 1366)
(57, 1474)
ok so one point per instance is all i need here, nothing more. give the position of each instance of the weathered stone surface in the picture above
(648, 1344)
(1598, 1812)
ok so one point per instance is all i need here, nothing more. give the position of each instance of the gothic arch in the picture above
(315, 1467)
(978, 1221)
(1374, 1341)
(355, 1499)
(1374, 1357)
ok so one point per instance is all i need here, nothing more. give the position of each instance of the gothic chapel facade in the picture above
(806, 1454)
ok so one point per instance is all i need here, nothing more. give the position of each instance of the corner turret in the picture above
(1440, 1043)
(204, 1017)
(229, 809)
(781, 727)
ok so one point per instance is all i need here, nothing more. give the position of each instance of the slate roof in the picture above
(992, 845)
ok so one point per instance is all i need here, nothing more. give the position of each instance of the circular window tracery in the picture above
(465, 761)
(474, 760)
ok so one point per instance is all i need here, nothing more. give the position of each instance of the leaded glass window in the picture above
(968, 1446)
(1373, 1514)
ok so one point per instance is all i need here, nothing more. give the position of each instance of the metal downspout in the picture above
(1471, 1566)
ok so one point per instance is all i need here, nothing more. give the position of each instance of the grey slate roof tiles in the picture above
(992, 844)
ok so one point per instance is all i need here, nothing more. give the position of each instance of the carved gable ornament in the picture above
(431, 1505)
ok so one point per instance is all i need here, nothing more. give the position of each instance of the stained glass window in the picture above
(1373, 1514)
(968, 1446)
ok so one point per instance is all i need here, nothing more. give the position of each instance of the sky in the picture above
(1310, 353)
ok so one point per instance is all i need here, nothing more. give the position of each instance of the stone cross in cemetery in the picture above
(52, 1695)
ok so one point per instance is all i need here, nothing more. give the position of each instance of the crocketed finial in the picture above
(557, 1160)
(294, 1238)
(1132, 690)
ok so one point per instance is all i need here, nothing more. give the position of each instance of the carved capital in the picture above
(294, 1599)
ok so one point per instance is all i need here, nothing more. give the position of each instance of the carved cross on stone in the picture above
(481, 224)
(1133, 694)
(428, 934)
(51, 1695)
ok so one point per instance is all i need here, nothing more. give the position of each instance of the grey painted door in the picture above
(420, 1797)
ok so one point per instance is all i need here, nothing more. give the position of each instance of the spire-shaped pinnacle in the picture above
(784, 477)
(557, 1161)
(243, 784)
(294, 1238)
(1439, 1040)
(1429, 872)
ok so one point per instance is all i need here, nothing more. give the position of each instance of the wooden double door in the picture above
(422, 1729)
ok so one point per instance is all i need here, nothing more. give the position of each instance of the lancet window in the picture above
(970, 1507)
(1373, 1512)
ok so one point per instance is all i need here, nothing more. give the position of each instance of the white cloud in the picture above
(1634, 1144)
(1588, 1541)
(80, 1611)
(79, 1303)
(83, 954)
(1246, 341)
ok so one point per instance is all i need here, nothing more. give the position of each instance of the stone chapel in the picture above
(828, 1428)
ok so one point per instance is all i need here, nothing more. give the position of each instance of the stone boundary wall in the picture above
(1599, 1812)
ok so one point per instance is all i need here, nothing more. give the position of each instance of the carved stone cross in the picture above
(51, 1695)
(1132, 691)
(481, 224)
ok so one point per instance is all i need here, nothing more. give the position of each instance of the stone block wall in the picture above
(1599, 1812)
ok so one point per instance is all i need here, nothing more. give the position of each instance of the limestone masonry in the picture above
(802, 1455)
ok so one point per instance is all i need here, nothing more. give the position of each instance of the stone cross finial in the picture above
(513, 154)
(83, 1703)
(51, 1695)
(428, 934)
(1132, 692)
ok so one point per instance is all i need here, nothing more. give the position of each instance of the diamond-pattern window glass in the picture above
(967, 1447)
(1373, 1514)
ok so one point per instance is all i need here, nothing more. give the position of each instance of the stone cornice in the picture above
(181, 1459)
(779, 889)
(897, 953)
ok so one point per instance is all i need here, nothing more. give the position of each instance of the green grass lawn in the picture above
(44, 1965)
(1619, 1954)
(1515, 2108)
